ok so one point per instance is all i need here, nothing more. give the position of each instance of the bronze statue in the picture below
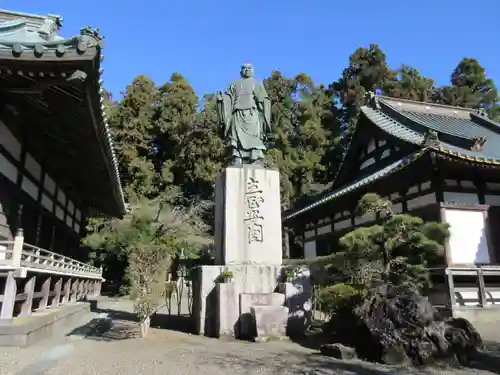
(244, 113)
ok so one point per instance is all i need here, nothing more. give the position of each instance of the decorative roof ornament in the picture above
(89, 31)
(482, 112)
(371, 100)
(90, 37)
(51, 25)
(430, 139)
(478, 145)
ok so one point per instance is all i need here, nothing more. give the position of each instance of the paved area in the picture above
(113, 350)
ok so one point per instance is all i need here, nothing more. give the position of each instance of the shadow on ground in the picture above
(489, 360)
(115, 324)
(313, 338)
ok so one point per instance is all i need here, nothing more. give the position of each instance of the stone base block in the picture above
(247, 301)
(270, 321)
(246, 279)
(228, 315)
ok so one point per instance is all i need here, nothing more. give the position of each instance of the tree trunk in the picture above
(144, 325)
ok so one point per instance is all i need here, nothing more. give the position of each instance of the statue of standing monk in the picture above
(244, 113)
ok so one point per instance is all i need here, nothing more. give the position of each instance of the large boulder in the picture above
(396, 325)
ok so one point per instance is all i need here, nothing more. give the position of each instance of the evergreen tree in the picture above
(410, 84)
(132, 127)
(470, 88)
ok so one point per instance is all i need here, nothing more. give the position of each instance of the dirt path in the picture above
(166, 352)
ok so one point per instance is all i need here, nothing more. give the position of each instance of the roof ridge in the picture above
(31, 15)
(426, 104)
(485, 122)
(425, 127)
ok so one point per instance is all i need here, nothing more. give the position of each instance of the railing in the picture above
(34, 279)
(19, 255)
(475, 296)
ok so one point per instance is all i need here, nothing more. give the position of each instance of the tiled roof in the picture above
(457, 129)
(27, 37)
(409, 121)
(391, 168)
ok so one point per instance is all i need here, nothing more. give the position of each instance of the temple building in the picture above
(440, 163)
(56, 156)
(57, 168)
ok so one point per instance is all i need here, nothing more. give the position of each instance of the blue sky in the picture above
(207, 40)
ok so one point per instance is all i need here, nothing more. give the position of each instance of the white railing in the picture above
(20, 255)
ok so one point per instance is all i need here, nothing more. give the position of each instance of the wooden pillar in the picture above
(98, 284)
(86, 288)
(29, 291)
(81, 289)
(45, 294)
(57, 289)
(9, 297)
(481, 289)
(74, 291)
(451, 288)
(67, 292)
(93, 287)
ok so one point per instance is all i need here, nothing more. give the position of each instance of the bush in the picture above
(340, 298)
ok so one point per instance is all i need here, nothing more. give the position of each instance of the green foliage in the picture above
(288, 274)
(168, 145)
(149, 236)
(340, 298)
(396, 251)
(226, 276)
(471, 88)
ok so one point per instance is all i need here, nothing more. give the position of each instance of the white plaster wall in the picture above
(492, 200)
(421, 201)
(8, 169)
(310, 249)
(367, 163)
(467, 242)
(9, 142)
(33, 167)
(460, 198)
(29, 187)
(49, 184)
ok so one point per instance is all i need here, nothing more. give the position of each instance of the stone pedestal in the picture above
(248, 217)
(247, 279)
(249, 245)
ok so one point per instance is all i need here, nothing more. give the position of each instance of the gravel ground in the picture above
(165, 352)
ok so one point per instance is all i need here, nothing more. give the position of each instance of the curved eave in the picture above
(49, 55)
(108, 142)
(395, 129)
(468, 157)
(367, 180)
(87, 46)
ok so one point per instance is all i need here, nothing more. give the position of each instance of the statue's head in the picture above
(246, 71)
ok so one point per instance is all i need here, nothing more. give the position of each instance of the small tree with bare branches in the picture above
(149, 235)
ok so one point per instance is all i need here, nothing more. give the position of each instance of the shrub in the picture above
(340, 298)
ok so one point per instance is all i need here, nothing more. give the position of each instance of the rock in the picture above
(395, 355)
(338, 351)
(397, 325)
